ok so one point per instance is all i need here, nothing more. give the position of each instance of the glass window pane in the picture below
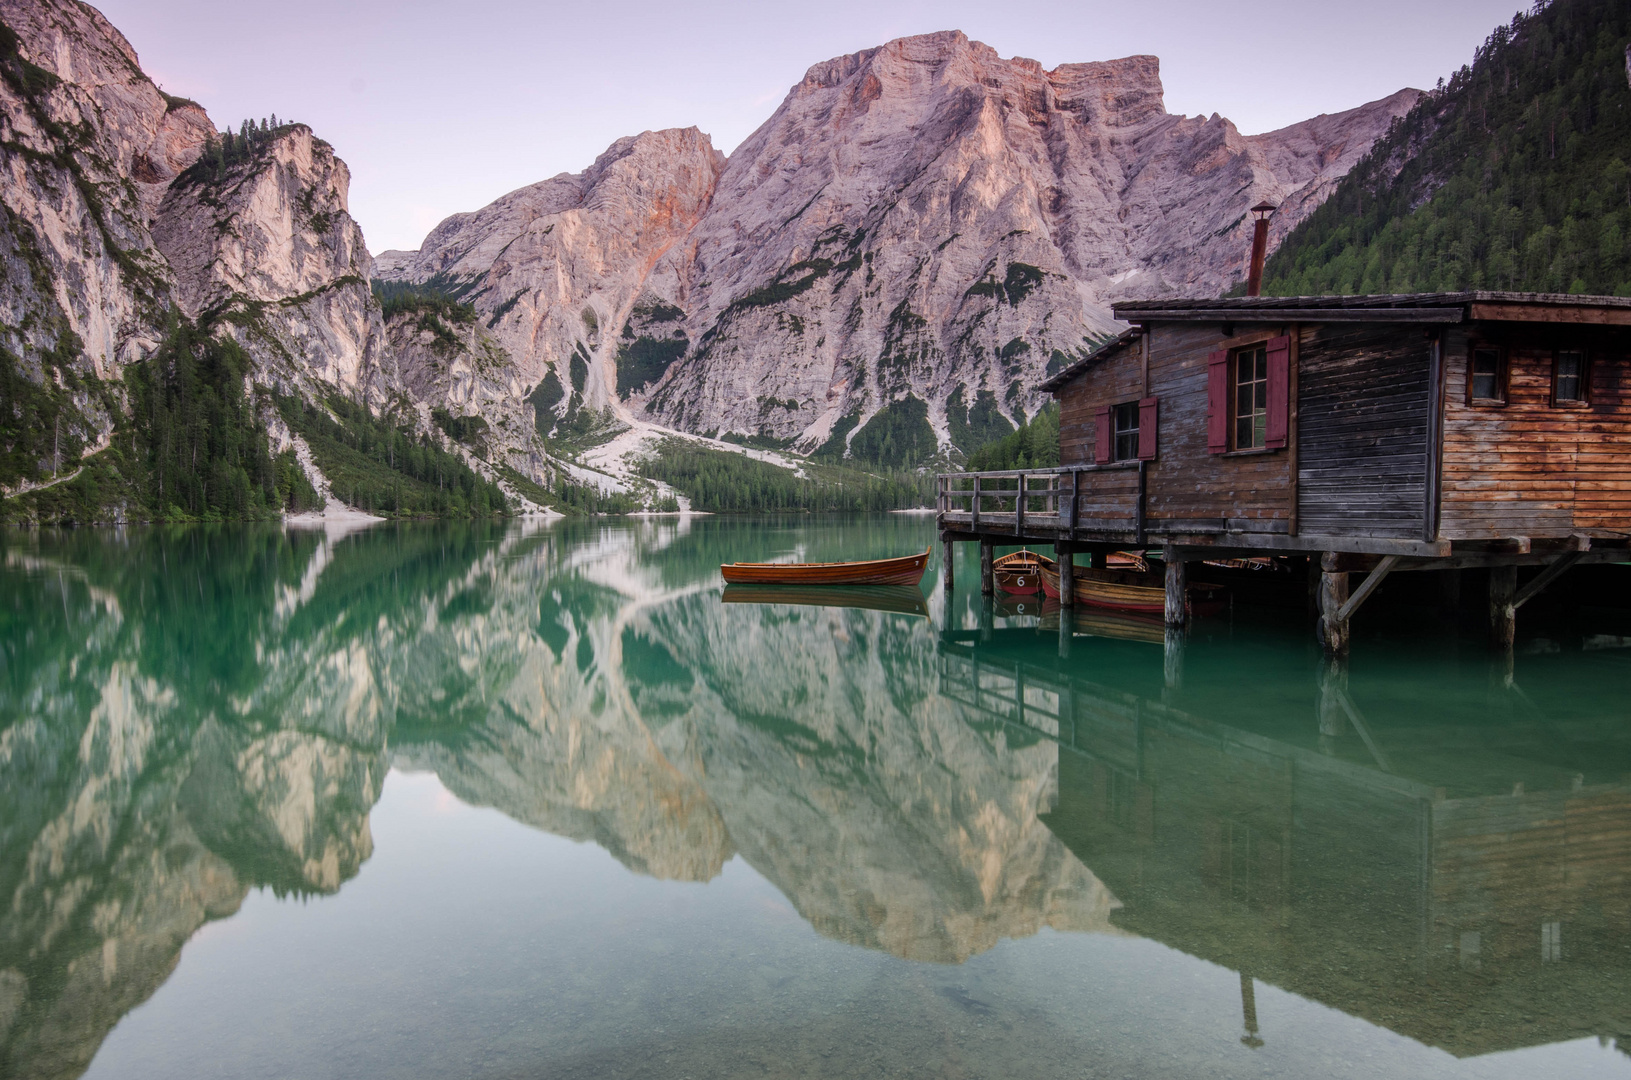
(1126, 429)
(1486, 369)
(1571, 366)
(1251, 398)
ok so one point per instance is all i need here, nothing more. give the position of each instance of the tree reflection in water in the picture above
(191, 714)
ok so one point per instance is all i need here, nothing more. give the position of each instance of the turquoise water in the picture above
(521, 800)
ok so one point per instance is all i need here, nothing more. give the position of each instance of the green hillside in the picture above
(1513, 174)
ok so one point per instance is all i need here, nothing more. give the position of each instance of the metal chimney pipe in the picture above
(1260, 247)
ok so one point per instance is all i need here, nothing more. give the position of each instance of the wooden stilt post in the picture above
(951, 552)
(988, 612)
(1503, 611)
(1066, 633)
(1177, 606)
(1314, 586)
(988, 584)
(1333, 595)
(1449, 591)
(1067, 575)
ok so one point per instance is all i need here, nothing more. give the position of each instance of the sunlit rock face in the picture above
(555, 269)
(929, 217)
(900, 253)
(457, 364)
(91, 145)
(271, 243)
(923, 220)
(110, 225)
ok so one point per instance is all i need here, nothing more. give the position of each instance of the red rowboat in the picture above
(1120, 591)
(907, 570)
(1020, 572)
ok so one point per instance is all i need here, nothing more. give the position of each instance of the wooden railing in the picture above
(1093, 498)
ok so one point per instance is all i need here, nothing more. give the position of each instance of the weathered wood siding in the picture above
(1530, 468)
(1190, 488)
(1362, 426)
(1116, 377)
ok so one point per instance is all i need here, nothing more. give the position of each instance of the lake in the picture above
(522, 799)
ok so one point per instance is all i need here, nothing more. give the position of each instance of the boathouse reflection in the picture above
(1388, 866)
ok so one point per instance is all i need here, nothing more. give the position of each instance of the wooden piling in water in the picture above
(988, 581)
(1067, 575)
(951, 551)
(1503, 610)
(1333, 596)
(1177, 606)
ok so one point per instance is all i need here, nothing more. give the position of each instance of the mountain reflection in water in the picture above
(1437, 847)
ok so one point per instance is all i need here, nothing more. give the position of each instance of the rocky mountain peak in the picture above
(911, 241)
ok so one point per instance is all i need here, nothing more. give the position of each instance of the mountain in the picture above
(1515, 174)
(176, 299)
(191, 326)
(910, 240)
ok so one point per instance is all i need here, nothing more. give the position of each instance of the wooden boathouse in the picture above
(1373, 434)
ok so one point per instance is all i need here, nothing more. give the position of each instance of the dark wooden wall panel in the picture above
(1187, 482)
(1117, 377)
(1362, 430)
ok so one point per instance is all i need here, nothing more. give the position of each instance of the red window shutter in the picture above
(1217, 402)
(1146, 429)
(1279, 418)
(1101, 435)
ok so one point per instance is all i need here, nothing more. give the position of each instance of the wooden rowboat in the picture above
(901, 599)
(907, 570)
(1121, 591)
(1020, 572)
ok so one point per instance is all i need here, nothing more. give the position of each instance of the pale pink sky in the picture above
(441, 107)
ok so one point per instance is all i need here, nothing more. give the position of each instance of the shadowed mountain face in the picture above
(185, 717)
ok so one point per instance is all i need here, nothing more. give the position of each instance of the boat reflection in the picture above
(901, 599)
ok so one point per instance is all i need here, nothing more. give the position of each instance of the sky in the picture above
(443, 107)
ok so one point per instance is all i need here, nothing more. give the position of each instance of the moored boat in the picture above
(1122, 591)
(1019, 572)
(907, 570)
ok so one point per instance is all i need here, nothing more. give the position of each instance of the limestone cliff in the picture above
(555, 269)
(267, 249)
(930, 221)
(897, 256)
(126, 212)
(913, 239)
(88, 145)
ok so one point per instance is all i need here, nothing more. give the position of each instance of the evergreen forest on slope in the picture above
(1515, 174)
